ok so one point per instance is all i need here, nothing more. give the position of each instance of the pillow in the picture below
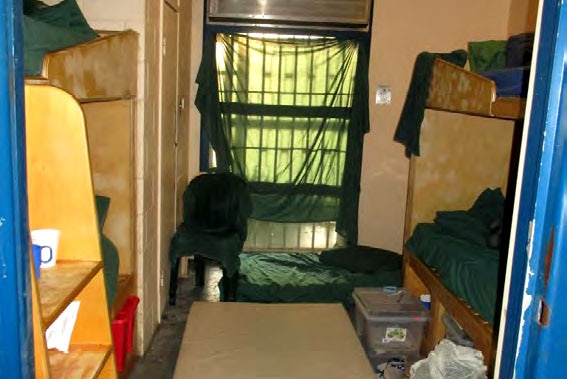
(519, 50)
(464, 226)
(362, 259)
(488, 207)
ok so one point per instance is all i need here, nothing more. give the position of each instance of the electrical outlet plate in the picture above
(383, 95)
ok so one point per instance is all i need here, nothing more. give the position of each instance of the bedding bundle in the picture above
(49, 28)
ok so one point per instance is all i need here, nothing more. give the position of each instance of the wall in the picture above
(131, 14)
(523, 14)
(147, 179)
(401, 30)
(144, 19)
(195, 118)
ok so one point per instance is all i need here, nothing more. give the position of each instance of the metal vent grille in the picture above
(342, 14)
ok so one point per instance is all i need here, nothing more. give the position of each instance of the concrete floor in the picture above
(161, 357)
(159, 360)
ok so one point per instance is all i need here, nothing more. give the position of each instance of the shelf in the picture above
(82, 362)
(59, 285)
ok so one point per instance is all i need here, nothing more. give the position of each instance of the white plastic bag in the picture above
(450, 361)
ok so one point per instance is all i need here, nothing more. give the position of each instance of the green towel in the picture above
(487, 55)
(409, 125)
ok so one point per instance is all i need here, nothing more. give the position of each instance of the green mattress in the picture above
(303, 278)
(458, 251)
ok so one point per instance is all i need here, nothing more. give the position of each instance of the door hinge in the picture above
(163, 45)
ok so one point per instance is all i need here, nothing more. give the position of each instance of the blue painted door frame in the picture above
(535, 339)
(16, 334)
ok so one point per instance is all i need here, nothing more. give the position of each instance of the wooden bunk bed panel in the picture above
(101, 75)
(418, 279)
(459, 157)
(104, 68)
(110, 128)
(456, 89)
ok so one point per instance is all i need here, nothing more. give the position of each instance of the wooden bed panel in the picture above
(460, 157)
(457, 89)
(110, 131)
(419, 278)
(99, 69)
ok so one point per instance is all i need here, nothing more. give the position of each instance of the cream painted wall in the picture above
(194, 117)
(523, 14)
(401, 30)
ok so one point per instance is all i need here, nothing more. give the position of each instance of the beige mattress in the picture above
(275, 341)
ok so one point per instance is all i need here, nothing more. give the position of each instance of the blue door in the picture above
(16, 337)
(535, 339)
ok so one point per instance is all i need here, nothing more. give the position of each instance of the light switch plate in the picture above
(383, 95)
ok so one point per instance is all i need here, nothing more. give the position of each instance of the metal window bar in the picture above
(269, 236)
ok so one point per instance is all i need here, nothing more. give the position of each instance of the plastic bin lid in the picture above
(389, 302)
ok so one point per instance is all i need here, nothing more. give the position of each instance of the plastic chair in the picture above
(216, 207)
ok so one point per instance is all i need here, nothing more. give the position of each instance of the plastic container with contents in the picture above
(389, 320)
(454, 332)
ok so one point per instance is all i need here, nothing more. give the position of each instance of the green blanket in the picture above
(110, 257)
(49, 28)
(467, 268)
(302, 278)
(456, 244)
(409, 125)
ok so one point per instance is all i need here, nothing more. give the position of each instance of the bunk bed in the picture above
(100, 72)
(459, 158)
(455, 89)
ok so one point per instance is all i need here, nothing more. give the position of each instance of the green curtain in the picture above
(288, 113)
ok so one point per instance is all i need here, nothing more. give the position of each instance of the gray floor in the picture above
(159, 360)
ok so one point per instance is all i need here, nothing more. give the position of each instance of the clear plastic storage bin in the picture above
(389, 320)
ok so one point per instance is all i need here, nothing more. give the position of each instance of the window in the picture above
(280, 111)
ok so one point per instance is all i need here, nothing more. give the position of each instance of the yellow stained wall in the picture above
(401, 30)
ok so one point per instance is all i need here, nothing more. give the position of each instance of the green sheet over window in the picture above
(288, 113)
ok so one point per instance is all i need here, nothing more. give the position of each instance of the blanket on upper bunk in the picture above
(49, 28)
(457, 245)
(506, 62)
(409, 124)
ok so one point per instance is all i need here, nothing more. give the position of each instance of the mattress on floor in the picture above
(275, 341)
(468, 270)
(303, 278)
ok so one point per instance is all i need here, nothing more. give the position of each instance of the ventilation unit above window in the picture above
(319, 14)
